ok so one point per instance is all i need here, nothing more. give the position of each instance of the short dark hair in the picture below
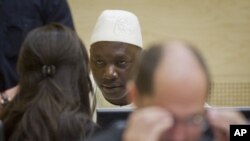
(146, 67)
(149, 61)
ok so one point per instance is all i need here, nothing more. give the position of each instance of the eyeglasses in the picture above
(195, 120)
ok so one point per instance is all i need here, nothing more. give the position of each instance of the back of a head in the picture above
(54, 86)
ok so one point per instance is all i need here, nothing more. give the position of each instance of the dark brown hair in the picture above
(53, 102)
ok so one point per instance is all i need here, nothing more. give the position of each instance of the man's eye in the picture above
(122, 62)
(99, 62)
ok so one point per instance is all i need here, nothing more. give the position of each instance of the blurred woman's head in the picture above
(54, 84)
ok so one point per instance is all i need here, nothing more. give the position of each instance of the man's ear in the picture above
(133, 94)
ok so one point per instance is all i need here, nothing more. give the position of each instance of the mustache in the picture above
(111, 85)
(110, 82)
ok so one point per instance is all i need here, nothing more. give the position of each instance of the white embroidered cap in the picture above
(117, 25)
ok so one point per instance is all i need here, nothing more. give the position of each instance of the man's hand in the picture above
(147, 124)
(220, 121)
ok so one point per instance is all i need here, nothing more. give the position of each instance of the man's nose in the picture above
(178, 133)
(110, 72)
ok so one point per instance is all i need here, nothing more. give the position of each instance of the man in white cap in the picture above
(116, 43)
(170, 89)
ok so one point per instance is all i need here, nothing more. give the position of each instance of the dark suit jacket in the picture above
(17, 18)
(114, 133)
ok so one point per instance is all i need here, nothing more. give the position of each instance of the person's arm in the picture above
(57, 11)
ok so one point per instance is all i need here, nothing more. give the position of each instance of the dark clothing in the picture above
(17, 18)
(114, 133)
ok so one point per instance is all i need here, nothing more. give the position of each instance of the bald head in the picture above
(175, 61)
(179, 77)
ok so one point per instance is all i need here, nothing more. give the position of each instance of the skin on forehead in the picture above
(179, 81)
(107, 48)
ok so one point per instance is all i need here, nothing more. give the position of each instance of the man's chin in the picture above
(116, 98)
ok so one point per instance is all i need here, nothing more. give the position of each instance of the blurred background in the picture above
(219, 28)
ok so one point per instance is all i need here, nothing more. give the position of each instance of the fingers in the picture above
(220, 121)
(151, 122)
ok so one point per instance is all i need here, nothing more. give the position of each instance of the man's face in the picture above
(182, 93)
(112, 64)
(185, 103)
